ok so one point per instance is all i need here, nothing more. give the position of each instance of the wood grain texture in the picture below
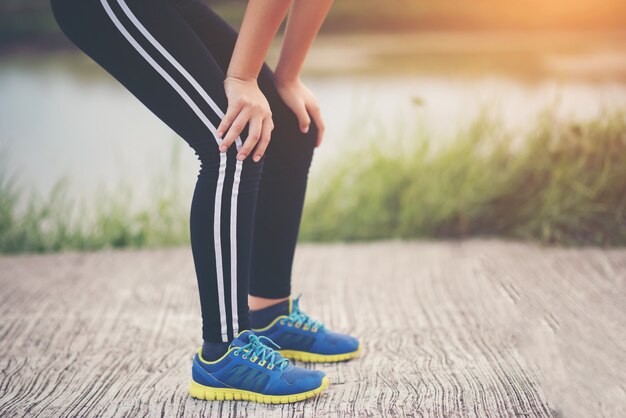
(473, 328)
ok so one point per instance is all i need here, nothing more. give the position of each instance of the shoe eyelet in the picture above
(236, 353)
(314, 329)
(282, 322)
(254, 359)
(305, 328)
(270, 367)
(262, 363)
(245, 356)
(290, 324)
(298, 324)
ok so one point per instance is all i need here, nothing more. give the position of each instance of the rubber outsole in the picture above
(208, 393)
(319, 358)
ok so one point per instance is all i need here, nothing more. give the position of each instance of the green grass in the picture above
(30, 223)
(564, 182)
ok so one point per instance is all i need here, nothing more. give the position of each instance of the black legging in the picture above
(173, 56)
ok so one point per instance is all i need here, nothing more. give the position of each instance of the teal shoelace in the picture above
(259, 348)
(301, 319)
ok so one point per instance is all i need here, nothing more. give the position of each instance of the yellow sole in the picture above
(319, 358)
(208, 393)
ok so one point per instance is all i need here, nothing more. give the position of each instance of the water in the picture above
(62, 116)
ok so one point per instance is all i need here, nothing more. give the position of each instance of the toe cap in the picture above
(336, 343)
(297, 380)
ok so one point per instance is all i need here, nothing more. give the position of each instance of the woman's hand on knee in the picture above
(303, 103)
(246, 106)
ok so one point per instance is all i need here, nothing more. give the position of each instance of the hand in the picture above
(246, 105)
(304, 104)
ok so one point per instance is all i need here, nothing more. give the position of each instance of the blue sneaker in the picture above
(252, 371)
(302, 338)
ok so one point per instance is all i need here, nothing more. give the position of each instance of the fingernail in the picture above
(223, 148)
(256, 158)
(219, 134)
(241, 157)
(305, 129)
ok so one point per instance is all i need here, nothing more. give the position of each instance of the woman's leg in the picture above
(285, 172)
(278, 213)
(152, 51)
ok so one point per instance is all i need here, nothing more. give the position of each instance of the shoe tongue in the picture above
(242, 339)
(294, 305)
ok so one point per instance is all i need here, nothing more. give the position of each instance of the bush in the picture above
(563, 183)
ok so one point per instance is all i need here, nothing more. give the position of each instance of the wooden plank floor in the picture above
(474, 328)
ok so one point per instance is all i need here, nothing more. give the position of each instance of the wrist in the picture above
(241, 78)
(284, 80)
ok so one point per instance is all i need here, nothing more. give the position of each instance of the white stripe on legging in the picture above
(161, 71)
(175, 63)
(233, 246)
(222, 169)
(217, 238)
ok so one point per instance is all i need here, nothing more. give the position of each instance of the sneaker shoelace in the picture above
(259, 347)
(301, 319)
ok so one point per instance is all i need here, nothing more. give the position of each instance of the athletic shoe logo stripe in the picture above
(246, 377)
(223, 159)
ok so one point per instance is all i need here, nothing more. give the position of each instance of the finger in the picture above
(264, 141)
(316, 115)
(231, 113)
(236, 128)
(303, 117)
(254, 132)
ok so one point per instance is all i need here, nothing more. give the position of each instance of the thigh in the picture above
(152, 51)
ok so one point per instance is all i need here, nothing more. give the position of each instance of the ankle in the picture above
(256, 303)
(261, 318)
(212, 351)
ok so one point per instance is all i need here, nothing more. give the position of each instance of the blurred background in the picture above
(445, 118)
